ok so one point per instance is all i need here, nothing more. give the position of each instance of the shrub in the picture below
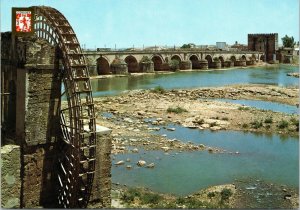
(268, 126)
(245, 125)
(176, 110)
(256, 124)
(225, 194)
(158, 89)
(174, 64)
(211, 194)
(269, 120)
(225, 118)
(283, 124)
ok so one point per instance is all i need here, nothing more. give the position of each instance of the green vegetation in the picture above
(295, 122)
(269, 120)
(288, 41)
(186, 46)
(225, 118)
(283, 124)
(256, 124)
(137, 198)
(151, 198)
(225, 194)
(242, 108)
(158, 89)
(245, 125)
(129, 196)
(176, 110)
(174, 64)
(211, 195)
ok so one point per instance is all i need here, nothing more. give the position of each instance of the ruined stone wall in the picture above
(10, 176)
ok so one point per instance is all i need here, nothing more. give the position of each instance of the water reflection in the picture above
(274, 76)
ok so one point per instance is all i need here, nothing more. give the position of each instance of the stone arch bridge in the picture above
(123, 62)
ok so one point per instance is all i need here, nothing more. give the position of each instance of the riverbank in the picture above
(240, 194)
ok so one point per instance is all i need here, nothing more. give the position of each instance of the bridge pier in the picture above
(203, 64)
(184, 65)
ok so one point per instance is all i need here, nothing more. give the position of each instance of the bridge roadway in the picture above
(129, 61)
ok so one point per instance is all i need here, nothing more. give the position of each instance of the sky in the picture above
(128, 23)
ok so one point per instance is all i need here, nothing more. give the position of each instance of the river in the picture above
(271, 158)
(192, 79)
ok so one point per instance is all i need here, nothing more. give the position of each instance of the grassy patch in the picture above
(129, 196)
(158, 89)
(243, 108)
(151, 198)
(283, 124)
(176, 110)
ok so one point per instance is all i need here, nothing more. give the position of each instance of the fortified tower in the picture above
(267, 43)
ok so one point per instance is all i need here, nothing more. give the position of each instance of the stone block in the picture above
(10, 176)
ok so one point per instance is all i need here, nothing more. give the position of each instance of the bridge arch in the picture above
(103, 66)
(176, 57)
(132, 64)
(195, 60)
(157, 61)
(243, 58)
(233, 58)
(221, 58)
(209, 60)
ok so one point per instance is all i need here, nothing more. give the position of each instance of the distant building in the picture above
(288, 54)
(267, 43)
(222, 45)
(238, 47)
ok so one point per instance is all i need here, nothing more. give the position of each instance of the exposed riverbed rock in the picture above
(141, 163)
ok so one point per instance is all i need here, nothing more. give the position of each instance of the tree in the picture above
(186, 46)
(288, 41)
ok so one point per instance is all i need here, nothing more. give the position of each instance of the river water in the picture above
(193, 79)
(271, 158)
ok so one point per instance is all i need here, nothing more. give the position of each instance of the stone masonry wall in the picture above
(28, 178)
(101, 191)
(10, 176)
